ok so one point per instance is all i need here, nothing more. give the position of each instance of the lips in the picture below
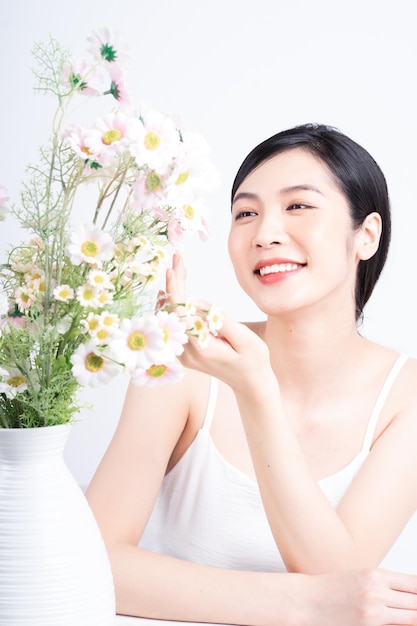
(276, 266)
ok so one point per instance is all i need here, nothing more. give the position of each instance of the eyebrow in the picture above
(244, 195)
(304, 187)
(247, 195)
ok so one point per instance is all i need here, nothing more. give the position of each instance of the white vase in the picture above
(54, 569)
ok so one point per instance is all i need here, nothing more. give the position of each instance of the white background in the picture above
(238, 71)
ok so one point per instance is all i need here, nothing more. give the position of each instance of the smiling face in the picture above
(291, 240)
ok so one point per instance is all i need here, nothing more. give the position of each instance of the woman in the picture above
(289, 445)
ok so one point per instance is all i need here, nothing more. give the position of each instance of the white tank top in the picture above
(210, 512)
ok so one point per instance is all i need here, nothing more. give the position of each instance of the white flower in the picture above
(156, 374)
(190, 308)
(77, 74)
(173, 332)
(79, 139)
(64, 293)
(14, 382)
(192, 216)
(149, 192)
(108, 46)
(91, 324)
(111, 136)
(90, 244)
(104, 328)
(100, 279)
(158, 141)
(109, 320)
(139, 341)
(214, 318)
(8, 391)
(88, 296)
(194, 172)
(24, 297)
(92, 367)
(104, 297)
(201, 331)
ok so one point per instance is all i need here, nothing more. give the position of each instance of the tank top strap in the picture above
(382, 396)
(211, 403)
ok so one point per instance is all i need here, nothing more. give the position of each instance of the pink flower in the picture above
(76, 74)
(16, 321)
(157, 374)
(107, 45)
(173, 332)
(90, 244)
(118, 87)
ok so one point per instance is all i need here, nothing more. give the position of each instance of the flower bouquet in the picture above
(105, 206)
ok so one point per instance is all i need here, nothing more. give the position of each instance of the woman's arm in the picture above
(311, 536)
(122, 494)
(155, 586)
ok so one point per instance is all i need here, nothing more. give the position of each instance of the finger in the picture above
(240, 337)
(175, 280)
(402, 582)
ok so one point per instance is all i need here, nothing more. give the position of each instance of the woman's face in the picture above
(291, 240)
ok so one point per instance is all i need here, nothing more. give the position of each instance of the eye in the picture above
(298, 206)
(242, 214)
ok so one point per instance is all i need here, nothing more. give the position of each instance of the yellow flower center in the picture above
(86, 150)
(64, 294)
(107, 321)
(88, 294)
(111, 136)
(182, 178)
(94, 362)
(199, 324)
(165, 335)
(153, 182)
(16, 381)
(89, 248)
(156, 371)
(152, 141)
(136, 340)
(188, 211)
(92, 323)
(103, 298)
(102, 334)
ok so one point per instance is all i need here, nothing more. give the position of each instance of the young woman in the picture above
(290, 444)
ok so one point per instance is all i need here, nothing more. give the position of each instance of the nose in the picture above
(270, 232)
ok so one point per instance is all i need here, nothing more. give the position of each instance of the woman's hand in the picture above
(361, 598)
(235, 355)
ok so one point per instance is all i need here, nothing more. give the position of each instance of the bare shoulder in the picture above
(400, 408)
(164, 408)
(407, 384)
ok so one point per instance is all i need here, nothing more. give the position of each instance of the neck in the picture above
(307, 351)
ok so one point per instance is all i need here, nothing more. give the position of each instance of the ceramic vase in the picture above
(54, 569)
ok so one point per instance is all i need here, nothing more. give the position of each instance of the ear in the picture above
(368, 236)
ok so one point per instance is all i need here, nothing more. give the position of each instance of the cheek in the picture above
(237, 255)
(231, 246)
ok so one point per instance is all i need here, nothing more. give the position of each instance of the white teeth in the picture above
(279, 267)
